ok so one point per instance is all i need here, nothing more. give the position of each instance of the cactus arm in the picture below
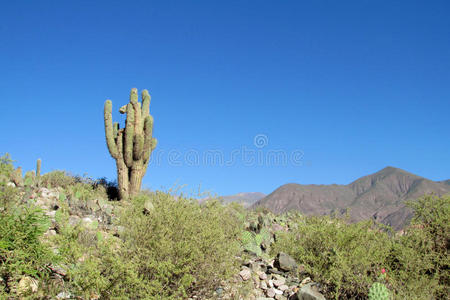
(133, 95)
(109, 132)
(116, 128)
(138, 149)
(145, 103)
(129, 136)
(137, 118)
(148, 132)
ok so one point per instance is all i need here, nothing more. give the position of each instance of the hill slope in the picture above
(380, 196)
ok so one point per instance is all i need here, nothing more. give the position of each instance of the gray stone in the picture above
(64, 295)
(74, 220)
(245, 274)
(262, 275)
(263, 285)
(285, 262)
(279, 281)
(309, 292)
(271, 293)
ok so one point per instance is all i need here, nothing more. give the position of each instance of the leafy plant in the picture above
(21, 251)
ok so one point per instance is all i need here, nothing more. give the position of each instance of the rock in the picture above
(285, 262)
(51, 214)
(50, 232)
(283, 287)
(74, 220)
(279, 281)
(278, 292)
(309, 292)
(27, 285)
(305, 281)
(148, 206)
(262, 275)
(64, 295)
(270, 293)
(245, 274)
(263, 285)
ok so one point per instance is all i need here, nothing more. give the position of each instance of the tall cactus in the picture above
(130, 146)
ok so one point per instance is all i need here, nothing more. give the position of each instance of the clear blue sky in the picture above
(354, 85)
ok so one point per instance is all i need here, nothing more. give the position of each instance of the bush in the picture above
(57, 179)
(21, 251)
(169, 249)
(344, 257)
(420, 260)
(6, 168)
(347, 258)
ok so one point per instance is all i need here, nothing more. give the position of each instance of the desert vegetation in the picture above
(67, 237)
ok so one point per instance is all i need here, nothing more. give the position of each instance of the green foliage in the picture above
(420, 258)
(379, 291)
(57, 179)
(21, 251)
(346, 257)
(6, 167)
(177, 248)
(85, 191)
(340, 255)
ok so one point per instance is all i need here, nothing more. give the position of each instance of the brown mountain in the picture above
(380, 196)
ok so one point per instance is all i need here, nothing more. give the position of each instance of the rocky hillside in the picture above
(380, 196)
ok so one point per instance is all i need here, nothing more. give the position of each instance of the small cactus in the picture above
(38, 168)
(379, 291)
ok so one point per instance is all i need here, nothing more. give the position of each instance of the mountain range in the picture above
(379, 196)
(246, 199)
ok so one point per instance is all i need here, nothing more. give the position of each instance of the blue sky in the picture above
(340, 88)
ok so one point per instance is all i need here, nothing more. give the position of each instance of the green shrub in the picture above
(419, 260)
(180, 245)
(168, 249)
(347, 257)
(6, 167)
(57, 179)
(21, 251)
(344, 257)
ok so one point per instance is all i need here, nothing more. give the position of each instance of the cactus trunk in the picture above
(131, 146)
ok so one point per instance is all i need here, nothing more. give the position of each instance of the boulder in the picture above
(285, 262)
(309, 292)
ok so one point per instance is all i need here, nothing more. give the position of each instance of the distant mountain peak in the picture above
(380, 195)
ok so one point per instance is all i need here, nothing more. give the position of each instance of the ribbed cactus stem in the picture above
(38, 167)
(131, 146)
